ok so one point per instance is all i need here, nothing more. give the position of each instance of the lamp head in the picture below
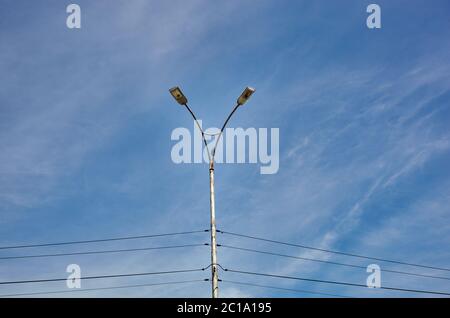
(178, 95)
(248, 91)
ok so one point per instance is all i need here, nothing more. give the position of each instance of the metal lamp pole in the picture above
(212, 204)
(182, 100)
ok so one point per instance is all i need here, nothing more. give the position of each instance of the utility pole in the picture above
(214, 269)
(182, 100)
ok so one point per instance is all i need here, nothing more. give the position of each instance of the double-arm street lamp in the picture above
(182, 100)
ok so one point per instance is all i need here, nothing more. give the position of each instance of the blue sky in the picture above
(363, 114)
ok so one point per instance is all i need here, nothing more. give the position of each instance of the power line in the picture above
(333, 251)
(103, 251)
(285, 289)
(103, 276)
(102, 240)
(104, 288)
(335, 282)
(327, 262)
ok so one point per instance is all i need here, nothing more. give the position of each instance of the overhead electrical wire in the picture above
(285, 289)
(45, 280)
(225, 269)
(102, 240)
(328, 262)
(333, 251)
(313, 280)
(102, 288)
(102, 251)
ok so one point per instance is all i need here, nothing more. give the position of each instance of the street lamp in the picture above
(248, 91)
(182, 100)
(178, 95)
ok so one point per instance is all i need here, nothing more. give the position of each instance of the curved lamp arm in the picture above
(222, 129)
(182, 100)
(212, 154)
(201, 130)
